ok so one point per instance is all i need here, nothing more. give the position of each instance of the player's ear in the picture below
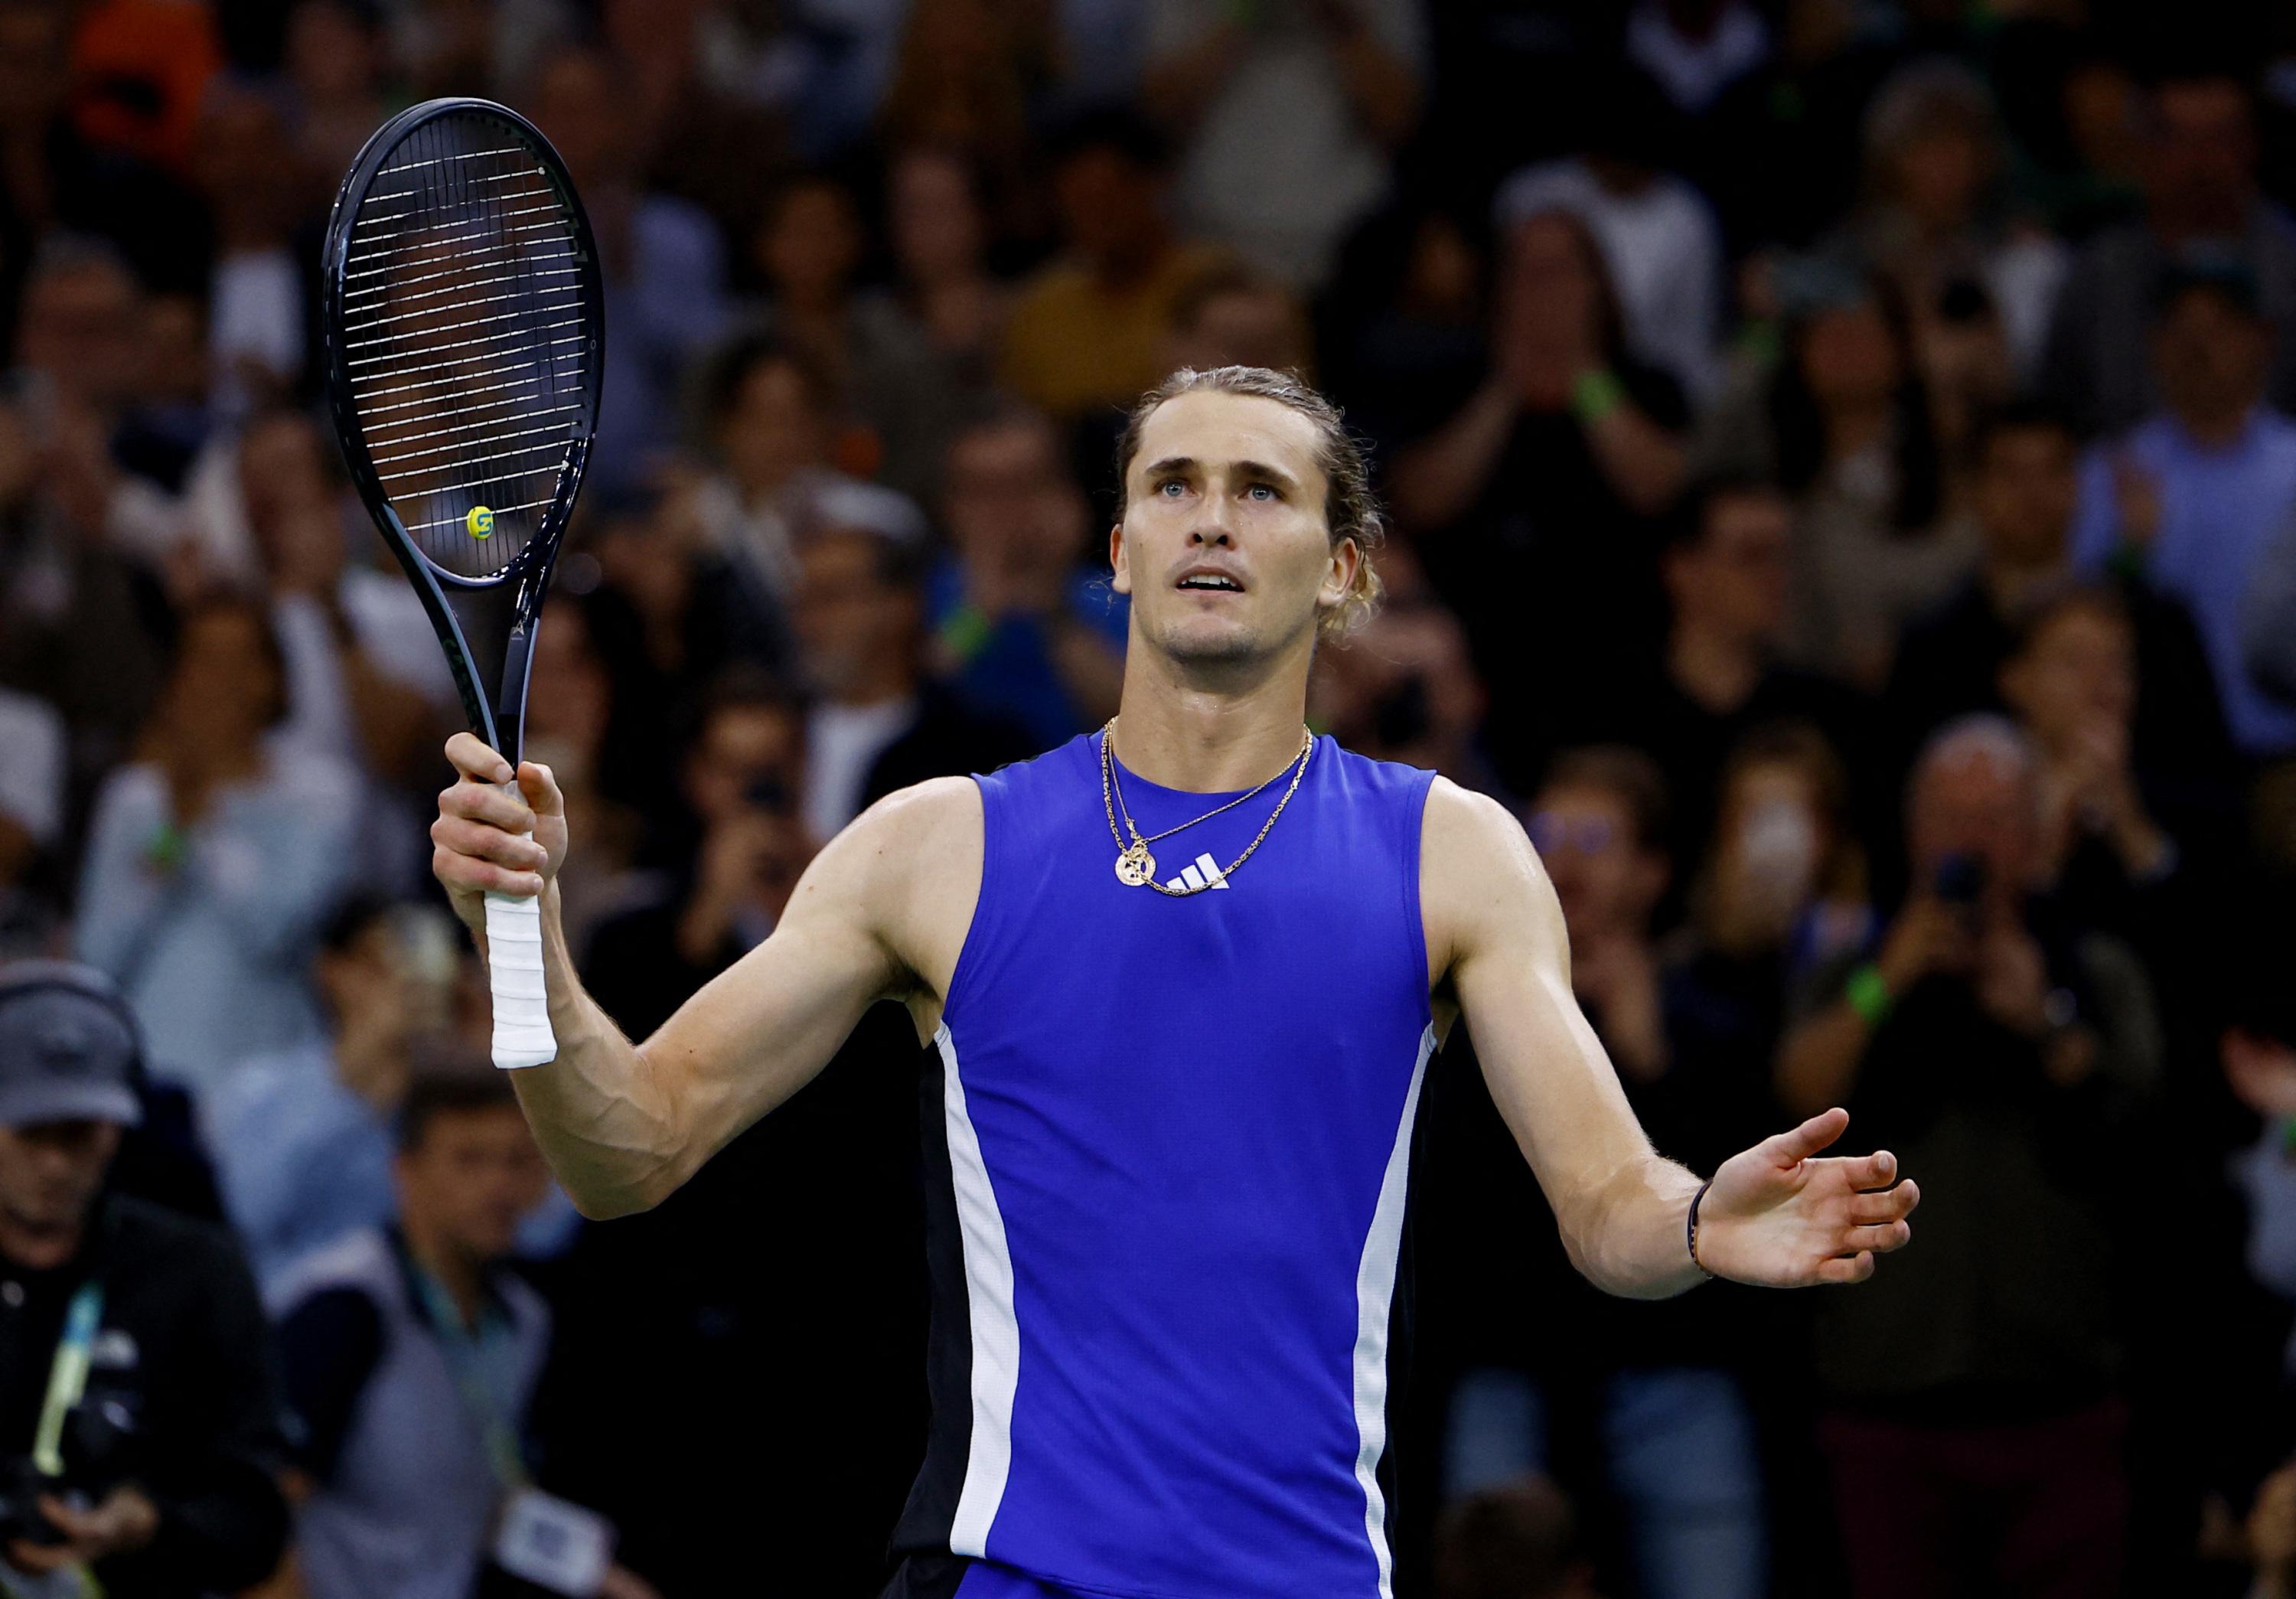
(1339, 578)
(1120, 572)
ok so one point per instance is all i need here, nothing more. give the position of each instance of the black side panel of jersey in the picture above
(931, 1510)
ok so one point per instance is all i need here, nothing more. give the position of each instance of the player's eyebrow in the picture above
(1259, 472)
(1254, 472)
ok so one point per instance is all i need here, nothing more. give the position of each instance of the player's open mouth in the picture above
(1209, 582)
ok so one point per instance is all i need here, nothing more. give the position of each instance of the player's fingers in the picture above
(473, 757)
(540, 787)
(1876, 1170)
(483, 802)
(516, 850)
(1895, 1204)
(1847, 1268)
(1880, 1240)
(1789, 1149)
(469, 871)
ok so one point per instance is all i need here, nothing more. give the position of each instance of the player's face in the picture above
(1224, 548)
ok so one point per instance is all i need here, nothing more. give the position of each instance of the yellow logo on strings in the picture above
(480, 522)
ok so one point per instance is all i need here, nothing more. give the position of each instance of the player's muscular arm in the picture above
(880, 913)
(1775, 1214)
(1494, 930)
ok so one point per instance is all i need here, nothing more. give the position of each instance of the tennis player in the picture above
(1181, 979)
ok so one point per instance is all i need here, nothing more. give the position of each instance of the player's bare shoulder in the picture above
(911, 863)
(1481, 882)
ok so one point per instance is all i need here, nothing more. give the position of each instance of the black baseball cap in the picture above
(69, 1048)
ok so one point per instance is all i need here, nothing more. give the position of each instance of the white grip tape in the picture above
(523, 1035)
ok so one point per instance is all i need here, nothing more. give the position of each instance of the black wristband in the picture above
(1691, 1226)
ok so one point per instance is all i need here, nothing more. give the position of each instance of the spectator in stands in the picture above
(964, 76)
(2072, 682)
(1286, 118)
(808, 246)
(775, 420)
(2024, 488)
(32, 791)
(333, 52)
(1529, 505)
(79, 371)
(743, 781)
(71, 609)
(259, 303)
(1657, 234)
(669, 616)
(53, 177)
(938, 224)
(1402, 686)
(365, 682)
(301, 1139)
(570, 713)
(1975, 1438)
(2201, 202)
(1727, 573)
(215, 855)
(411, 1354)
(1677, 1437)
(665, 266)
(876, 723)
(1086, 332)
(1519, 1540)
(1843, 422)
(1022, 632)
(1232, 317)
(1783, 889)
(2192, 498)
(1404, 325)
(167, 1429)
(1933, 213)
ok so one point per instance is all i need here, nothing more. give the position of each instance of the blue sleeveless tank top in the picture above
(1168, 1151)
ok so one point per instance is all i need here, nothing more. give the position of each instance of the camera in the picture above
(97, 1437)
(1961, 880)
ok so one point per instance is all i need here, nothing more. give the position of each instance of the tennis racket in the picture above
(465, 334)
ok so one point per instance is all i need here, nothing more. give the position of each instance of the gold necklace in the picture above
(1134, 865)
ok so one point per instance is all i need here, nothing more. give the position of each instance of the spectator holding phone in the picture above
(1976, 1433)
(743, 781)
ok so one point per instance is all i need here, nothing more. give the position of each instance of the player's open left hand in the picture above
(488, 838)
(1779, 1216)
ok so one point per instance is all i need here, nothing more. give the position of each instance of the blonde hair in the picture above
(1350, 509)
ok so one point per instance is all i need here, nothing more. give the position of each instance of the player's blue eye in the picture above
(1262, 491)
(1168, 485)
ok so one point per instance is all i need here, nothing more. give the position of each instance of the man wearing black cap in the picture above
(137, 1408)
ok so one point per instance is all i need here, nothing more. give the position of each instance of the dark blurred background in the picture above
(1844, 497)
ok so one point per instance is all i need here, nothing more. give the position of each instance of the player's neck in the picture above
(1177, 729)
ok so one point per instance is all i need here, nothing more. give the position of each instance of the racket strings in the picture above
(465, 339)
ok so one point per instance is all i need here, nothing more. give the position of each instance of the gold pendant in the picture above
(1136, 866)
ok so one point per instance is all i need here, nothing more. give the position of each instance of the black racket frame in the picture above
(489, 642)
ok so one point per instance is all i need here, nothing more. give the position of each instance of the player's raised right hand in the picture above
(489, 839)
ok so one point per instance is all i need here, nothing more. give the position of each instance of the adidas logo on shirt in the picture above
(1205, 870)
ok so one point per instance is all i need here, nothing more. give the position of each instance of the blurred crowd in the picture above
(1844, 485)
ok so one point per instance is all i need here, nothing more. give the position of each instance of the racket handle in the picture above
(523, 1035)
